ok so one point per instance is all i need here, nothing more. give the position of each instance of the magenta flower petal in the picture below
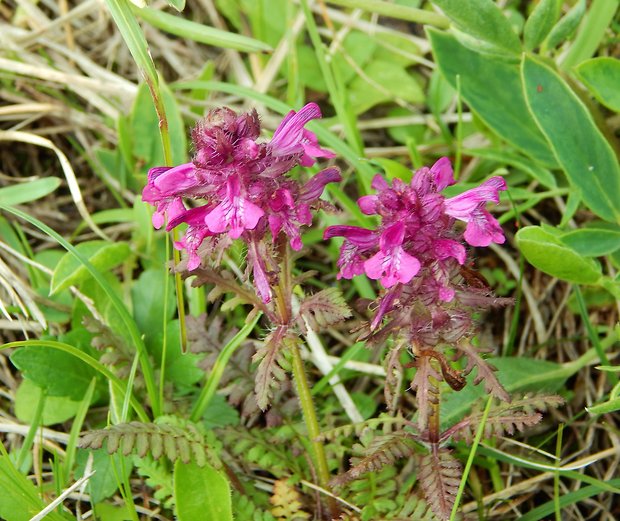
(379, 183)
(312, 150)
(368, 204)
(287, 139)
(354, 234)
(442, 173)
(392, 264)
(350, 261)
(483, 229)
(175, 180)
(235, 211)
(462, 205)
(392, 267)
(313, 189)
(445, 248)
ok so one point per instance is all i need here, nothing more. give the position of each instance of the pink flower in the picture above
(236, 212)
(291, 138)
(240, 186)
(417, 237)
(391, 263)
(482, 228)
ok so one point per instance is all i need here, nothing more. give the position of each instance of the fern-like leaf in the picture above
(385, 421)
(382, 451)
(440, 476)
(158, 477)
(485, 371)
(286, 502)
(184, 443)
(504, 418)
(323, 309)
(271, 371)
(414, 508)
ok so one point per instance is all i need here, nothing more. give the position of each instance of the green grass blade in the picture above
(470, 458)
(394, 10)
(132, 34)
(76, 428)
(199, 32)
(547, 509)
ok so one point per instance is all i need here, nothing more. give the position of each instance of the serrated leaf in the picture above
(201, 493)
(270, 373)
(602, 77)
(540, 23)
(483, 20)
(102, 255)
(323, 309)
(546, 252)
(583, 152)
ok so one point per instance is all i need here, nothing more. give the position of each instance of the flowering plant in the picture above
(243, 184)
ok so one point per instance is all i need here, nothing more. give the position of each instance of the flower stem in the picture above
(312, 424)
(283, 293)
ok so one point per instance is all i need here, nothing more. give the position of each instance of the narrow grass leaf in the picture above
(134, 38)
(199, 32)
(591, 32)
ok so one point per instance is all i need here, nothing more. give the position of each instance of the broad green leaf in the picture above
(565, 28)
(546, 252)
(200, 32)
(602, 77)
(201, 493)
(57, 409)
(483, 20)
(102, 255)
(580, 148)
(19, 498)
(540, 23)
(492, 88)
(593, 242)
(516, 374)
(383, 81)
(25, 192)
(59, 373)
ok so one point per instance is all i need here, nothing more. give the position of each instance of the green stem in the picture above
(312, 424)
(164, 134)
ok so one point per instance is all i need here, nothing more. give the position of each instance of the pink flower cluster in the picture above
(242, 183)
(417, 235)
